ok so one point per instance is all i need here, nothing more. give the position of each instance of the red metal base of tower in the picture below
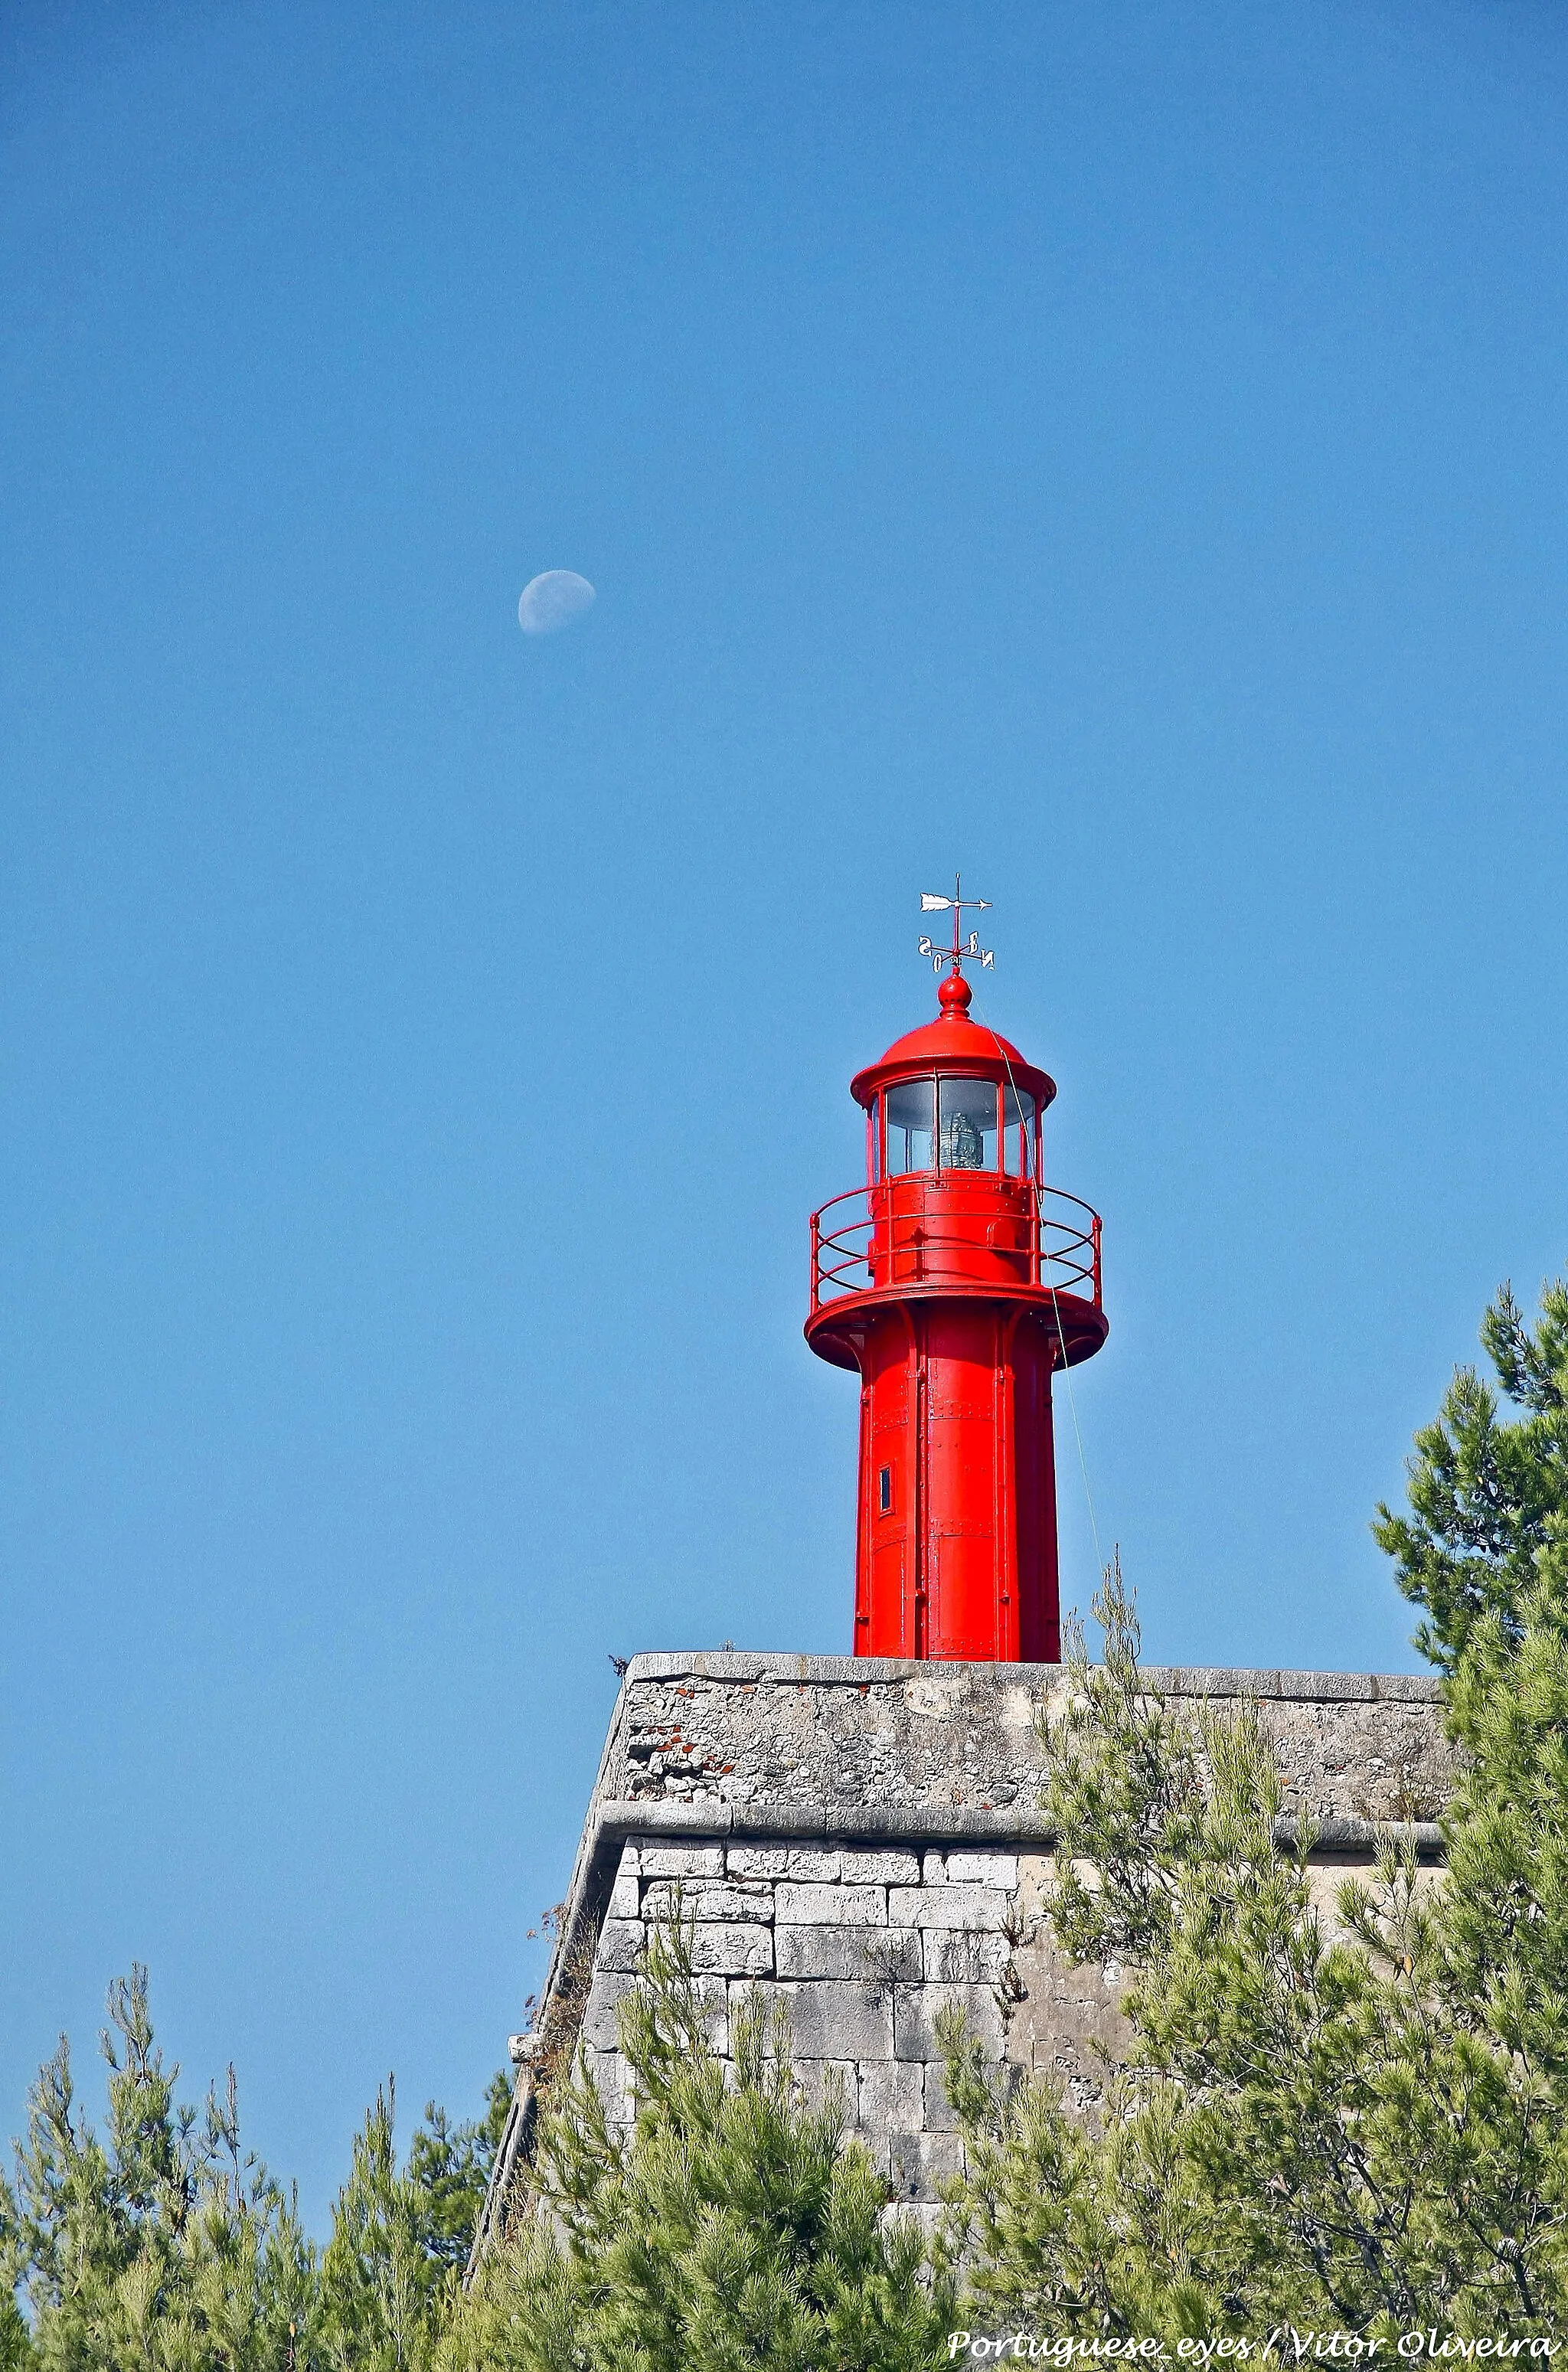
(955, 1284)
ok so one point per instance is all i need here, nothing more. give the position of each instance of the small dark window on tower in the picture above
(884, 1488)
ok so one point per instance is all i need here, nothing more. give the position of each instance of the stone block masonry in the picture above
(863, 1840)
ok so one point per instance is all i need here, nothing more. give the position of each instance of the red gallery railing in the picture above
(872, 1237)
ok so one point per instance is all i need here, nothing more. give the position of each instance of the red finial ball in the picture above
(954, 997)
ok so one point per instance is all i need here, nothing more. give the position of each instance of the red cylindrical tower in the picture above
(955, 1283)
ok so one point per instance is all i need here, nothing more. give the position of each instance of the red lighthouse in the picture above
(956, 1282)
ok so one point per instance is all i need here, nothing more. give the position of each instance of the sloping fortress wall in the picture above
(863, 1839)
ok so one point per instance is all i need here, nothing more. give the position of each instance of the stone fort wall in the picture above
(862, 1839)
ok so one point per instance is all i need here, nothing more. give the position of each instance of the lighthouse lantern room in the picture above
(955, 1283)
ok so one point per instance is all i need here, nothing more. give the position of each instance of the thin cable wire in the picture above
(1001, 1045)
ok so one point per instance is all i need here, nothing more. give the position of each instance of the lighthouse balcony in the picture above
(955, 1231)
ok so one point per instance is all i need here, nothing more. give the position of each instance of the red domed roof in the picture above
(953, 1042)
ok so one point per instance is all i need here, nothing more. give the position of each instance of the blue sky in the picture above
(1118, 450)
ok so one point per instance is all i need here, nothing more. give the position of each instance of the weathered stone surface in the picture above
(947, 1906)
(829, 2020)
(681, 1861)
(703, 1899)
(822, 2080)
(916, 2013)
(919, 2163)
(1068, 2015)
(832, 1906)
(865, 1955)
(783, 1861)
(620, 1944)
(939, 2117)
(905, 2169)
(1411, 1688)
(941, 2157)
(612, 2079)
(607, 1991)
(874, 1868)
(1331, 1687)
(759, 1861)
(977, 1870)
(959, 1956)
(812, 1730)
(626, 1894)
(892, 2096)
(731, 1948)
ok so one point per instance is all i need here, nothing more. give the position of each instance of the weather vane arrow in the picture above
(959, 906)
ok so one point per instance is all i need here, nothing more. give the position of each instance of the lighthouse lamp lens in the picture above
(968, 1125)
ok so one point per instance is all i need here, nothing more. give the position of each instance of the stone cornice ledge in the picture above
(618, 1819)
(1171, 1680)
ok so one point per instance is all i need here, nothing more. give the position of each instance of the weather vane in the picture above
(955, 954)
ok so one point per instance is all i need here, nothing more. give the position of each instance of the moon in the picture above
(553, 600)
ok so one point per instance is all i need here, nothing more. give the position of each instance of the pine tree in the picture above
(165, 2242)
(735, 2225)
(450, 2166)
(382, 2292)
(1488, 1495)
(392, 2270)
